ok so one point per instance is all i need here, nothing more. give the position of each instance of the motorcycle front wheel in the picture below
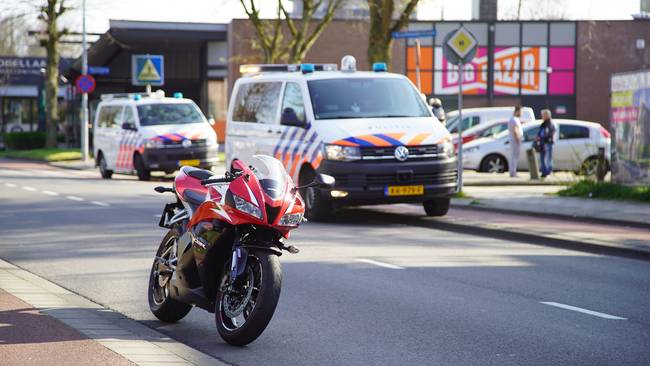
(244, 308)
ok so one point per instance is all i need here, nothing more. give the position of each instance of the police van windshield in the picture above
(365, 98)
(168, 114)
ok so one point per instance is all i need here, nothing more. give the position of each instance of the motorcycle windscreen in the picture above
(271, 174)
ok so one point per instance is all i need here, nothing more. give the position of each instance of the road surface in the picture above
(365, 289)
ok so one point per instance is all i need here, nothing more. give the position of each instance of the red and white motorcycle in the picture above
(225, 237)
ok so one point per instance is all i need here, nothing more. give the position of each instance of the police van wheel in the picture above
(103, 170)
(436, 206)
(317, 206)
(140, 169)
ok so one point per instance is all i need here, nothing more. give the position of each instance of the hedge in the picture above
(24, 140)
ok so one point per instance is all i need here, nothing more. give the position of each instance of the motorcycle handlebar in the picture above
(216, 180)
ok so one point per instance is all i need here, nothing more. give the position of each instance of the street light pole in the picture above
(84, 96)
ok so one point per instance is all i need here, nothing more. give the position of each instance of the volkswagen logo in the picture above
(186, 143)
(401, 153)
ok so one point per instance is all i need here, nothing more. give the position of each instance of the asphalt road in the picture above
(364, 289)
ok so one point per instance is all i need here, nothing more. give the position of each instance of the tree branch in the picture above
(404, 16)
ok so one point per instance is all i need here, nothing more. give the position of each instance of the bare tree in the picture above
(50, 14)
(382, 26)
(270, 36)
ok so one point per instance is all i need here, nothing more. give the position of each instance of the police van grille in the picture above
(388, 153)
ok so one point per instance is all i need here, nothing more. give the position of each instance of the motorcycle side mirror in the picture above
(323, 181)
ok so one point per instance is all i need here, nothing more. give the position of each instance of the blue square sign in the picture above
(147, 70)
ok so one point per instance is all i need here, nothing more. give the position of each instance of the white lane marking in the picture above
(31, 189)
(74, 198)
(158, 216)
(103, 204)
(50, 193)
(380, 264)
(10, 185)
(581, 310)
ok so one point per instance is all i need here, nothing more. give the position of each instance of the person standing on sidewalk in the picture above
(546, 139)
(516, 135)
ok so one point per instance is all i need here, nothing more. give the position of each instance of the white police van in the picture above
(148, 132)
(371, 131)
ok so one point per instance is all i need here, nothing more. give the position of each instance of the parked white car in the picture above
(473, 117)
(575, 149)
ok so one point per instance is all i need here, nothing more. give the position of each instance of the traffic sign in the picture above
(459, 46)
(414, 34)
(98, 70)
(147, 70)
(85, 83)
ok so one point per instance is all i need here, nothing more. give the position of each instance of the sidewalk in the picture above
(542, 200)
(473, 178)
(42, 323)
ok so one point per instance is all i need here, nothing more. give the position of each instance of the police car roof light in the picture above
(379, 67)
(348, 63)
(178, 95)
(137, 97)
(307, 68)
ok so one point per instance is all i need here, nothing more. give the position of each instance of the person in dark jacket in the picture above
(546, 139)
(438, 110)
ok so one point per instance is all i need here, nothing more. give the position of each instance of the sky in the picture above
(100, 11)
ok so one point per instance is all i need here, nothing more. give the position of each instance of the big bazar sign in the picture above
(508, 62)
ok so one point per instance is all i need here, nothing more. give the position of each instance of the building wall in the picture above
(604, 48)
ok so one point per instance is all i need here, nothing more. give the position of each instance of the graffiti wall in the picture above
(630, 124)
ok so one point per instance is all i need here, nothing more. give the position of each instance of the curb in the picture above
(126, 337)
(510, 184)
(585, 219)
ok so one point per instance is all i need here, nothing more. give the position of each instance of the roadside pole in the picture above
(459, 48)
(84, 96)
(417, 64)
(460, 126)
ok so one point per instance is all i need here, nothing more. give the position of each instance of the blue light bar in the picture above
(307, 68)
(178, 95)
(379, 67)
(137, 97)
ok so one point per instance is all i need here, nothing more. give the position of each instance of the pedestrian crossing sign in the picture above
(147, 70)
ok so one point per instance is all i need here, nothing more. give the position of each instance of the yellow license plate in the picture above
(190, 162)
(404, 191)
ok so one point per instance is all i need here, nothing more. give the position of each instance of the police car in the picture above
(149, 132)
(372, 131)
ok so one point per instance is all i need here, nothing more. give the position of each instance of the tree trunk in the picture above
(379, 49)
(51, 94)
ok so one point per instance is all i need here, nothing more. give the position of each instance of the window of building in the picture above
(19, 115)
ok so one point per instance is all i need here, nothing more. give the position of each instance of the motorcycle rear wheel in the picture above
(259, 286)
(160, 303)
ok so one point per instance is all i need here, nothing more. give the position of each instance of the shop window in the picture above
(534, 34)
(506, 34)
(563, 34)
(19, 115)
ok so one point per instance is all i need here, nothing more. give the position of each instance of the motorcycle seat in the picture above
(197, 172)
(193, 197)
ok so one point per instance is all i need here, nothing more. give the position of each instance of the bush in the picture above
(24, 140)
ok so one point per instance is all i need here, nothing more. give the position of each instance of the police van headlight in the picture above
(447, 148)
(342, 153)
(154, 144)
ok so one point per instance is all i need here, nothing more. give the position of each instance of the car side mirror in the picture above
(129, 126)
(290, 118)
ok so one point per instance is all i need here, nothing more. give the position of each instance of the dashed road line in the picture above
(584, 311)
(377, 263)
(10, 185)
(103, 204)
(74, 198)
(28, 188)
(50, 193)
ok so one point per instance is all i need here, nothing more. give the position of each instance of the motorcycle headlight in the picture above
(154, 144)
(247, 207)
(291, 219)
(447, 148)
(470, 150)
(342, 153)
